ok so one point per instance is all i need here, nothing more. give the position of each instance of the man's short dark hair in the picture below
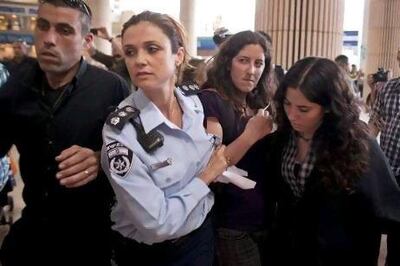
(342, 60)
(80, 5)
(220, 35)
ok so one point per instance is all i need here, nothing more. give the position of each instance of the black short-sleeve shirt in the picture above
(239, 209)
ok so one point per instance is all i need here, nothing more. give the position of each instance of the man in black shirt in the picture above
(54, 111)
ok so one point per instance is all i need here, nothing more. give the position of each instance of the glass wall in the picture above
(17, 23)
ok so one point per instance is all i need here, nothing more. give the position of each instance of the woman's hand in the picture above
(216, 165)
(258, 126)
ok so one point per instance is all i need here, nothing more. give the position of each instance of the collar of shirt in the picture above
(38, 75)
(152, 117)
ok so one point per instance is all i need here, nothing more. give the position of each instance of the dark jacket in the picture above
(340, 227)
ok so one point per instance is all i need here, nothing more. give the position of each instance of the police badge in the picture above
(119, 158)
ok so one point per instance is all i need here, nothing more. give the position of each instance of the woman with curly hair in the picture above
(336, 193)
(232, 97)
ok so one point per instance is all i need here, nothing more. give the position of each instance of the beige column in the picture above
(187, 18)
(101, 17)
(382, 35)
(301, 28)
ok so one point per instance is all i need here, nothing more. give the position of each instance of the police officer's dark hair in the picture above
(169, 26)
(80, 5)
(219, 75)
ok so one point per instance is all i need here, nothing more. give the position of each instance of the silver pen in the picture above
(162, 164)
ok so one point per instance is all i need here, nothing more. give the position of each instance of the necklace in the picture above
(303, 138)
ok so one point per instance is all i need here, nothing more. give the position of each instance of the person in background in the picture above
(20, 58)
(220, 36)
(385, 119)
(54, 110)
(336, 193)
(158, 156)
(116, 49)
(114, 62)
(232, 96)
(376, 82)
(353, 72)
(191, 73)
(360, 82)
(343, 63)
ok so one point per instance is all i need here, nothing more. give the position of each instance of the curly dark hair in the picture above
(219, 77)
(341, 141)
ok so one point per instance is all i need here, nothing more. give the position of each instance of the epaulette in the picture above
(189, 88)
(119, 117)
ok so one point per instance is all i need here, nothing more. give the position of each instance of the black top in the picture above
(239, 209)
(42, 128)
(340, 227)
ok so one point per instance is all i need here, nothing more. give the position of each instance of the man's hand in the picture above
(103, 33)
(78, 166)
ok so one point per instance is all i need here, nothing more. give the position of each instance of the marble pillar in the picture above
(301, 28)
(381, 35)
(188, 18)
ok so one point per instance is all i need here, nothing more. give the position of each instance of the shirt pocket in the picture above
(165, 173)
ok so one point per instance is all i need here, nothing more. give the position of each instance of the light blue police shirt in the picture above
(159, 195)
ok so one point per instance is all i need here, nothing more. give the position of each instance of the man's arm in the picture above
(376, 120)
(103, 58)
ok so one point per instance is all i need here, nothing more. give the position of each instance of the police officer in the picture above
(158, 156)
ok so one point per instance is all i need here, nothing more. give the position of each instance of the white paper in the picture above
(237, 177)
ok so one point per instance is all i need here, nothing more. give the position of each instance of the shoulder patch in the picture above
(189, 88)
(119, 117)
(119, 158)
